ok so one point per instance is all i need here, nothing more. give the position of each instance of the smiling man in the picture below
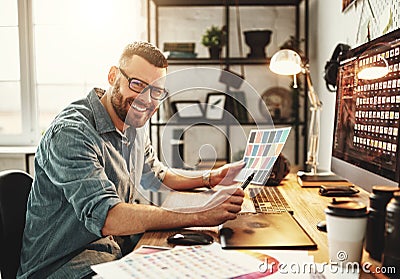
(90, 162)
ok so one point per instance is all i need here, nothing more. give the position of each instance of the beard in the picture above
(126, 113)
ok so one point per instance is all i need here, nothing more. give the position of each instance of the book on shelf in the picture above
(179, 50)
(306, 180)
(179, 46)
(180, 55)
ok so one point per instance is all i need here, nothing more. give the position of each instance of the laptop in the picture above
(266, 219)
(272, 226)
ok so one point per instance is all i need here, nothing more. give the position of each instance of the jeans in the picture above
(100, 251)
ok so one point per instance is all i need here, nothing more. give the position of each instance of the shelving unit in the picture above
(207, 61)
(299, 125)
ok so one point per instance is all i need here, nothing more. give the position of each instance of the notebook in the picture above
(305, 180)
(271, 227)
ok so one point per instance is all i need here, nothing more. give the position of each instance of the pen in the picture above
(247, 181)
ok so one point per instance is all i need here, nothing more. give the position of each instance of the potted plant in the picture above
(214, 38)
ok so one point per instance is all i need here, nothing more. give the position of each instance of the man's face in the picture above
(132, 107)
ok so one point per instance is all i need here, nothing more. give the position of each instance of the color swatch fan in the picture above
(262, 150)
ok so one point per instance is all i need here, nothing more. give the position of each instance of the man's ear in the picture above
(112, 75)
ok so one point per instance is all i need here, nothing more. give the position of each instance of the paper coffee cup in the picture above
(346, 226)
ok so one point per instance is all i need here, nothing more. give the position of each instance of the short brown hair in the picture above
(145, 50)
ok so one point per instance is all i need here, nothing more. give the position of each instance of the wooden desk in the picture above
(308, 208)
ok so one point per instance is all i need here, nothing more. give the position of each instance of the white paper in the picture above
(187, 262)
(214, 263)
(262, 149)
(177, 200)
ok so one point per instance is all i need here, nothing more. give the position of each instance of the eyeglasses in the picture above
(139, 86)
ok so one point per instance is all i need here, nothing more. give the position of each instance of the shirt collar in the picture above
(102, 119)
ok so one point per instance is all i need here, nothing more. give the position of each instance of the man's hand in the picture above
(127, 219)
(222, 212)
(224, 175)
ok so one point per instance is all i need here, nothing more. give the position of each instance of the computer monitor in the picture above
(366, 134)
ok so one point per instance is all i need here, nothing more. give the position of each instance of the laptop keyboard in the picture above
(269, 200)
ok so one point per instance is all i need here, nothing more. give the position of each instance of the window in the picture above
(10, 85)
(70, 46)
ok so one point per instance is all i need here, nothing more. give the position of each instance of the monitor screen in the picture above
(365, 143)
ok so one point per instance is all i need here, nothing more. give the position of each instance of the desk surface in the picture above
(308, 208)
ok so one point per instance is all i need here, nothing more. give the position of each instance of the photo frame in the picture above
(215, 106)
(187, 109)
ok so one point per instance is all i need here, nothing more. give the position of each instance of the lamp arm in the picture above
(312, 95)
(314, 128)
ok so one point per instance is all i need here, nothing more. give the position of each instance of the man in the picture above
(87, 166)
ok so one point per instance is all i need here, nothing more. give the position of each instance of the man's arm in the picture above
(179, 179)
(183, 180)
(127, 219)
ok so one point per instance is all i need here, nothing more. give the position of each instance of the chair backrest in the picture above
(15, 186)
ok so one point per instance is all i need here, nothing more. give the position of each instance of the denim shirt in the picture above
(83, 167)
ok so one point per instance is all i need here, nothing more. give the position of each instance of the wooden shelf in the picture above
(208, 122)
(222, 61)
(171, 3)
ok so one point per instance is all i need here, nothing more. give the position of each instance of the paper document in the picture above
(186, 262)
(178, 200)
(210, 261)
(263, 147)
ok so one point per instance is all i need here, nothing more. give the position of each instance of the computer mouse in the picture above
(190, 238)
(321, 226)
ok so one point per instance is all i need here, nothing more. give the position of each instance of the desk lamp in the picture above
(373, 71)
(288, 62)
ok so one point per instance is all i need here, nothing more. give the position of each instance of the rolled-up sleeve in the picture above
(76, 167)
(153, 170)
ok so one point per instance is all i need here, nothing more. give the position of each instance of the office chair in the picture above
(15, 186)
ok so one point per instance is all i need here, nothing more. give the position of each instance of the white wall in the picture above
(330, 26)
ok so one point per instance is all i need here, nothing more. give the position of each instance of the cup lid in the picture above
(383, 189)
(346, 208)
